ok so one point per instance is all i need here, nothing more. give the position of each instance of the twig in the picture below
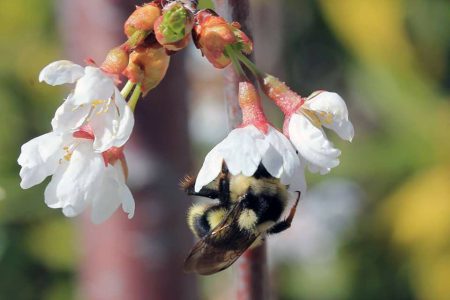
(252, 279)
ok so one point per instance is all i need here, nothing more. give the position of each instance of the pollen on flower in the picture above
(312, 117)
(327, 117)
(68, 156)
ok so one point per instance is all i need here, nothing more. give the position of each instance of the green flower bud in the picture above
(175, 23)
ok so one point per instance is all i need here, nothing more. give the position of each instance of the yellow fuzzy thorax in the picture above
(240, 184)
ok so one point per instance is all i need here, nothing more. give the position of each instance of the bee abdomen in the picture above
(197, 221)
(204, 217)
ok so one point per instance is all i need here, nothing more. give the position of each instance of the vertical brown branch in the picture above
(140, 258)
(252, 279)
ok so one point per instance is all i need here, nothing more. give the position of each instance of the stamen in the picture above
(312, 117)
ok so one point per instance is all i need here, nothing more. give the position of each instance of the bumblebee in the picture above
(248, 208)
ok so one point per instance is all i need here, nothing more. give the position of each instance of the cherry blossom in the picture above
(80, 176)
(305, 119)
(255, 142)
(321, 109)
(94, 100)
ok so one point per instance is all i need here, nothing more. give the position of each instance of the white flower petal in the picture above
(244, 149)
(241, 152)
(93, 86)
(112, 123)
(286, 151)
(272, 160)
(106, 201)
(39, 158)
(344, 129)
(104, 125)
(76, 182)
(210, 169)
(125, 120)
(332, 112)
(127, 199)
(112, 193)
(69, 117)
(60, 72)
(51, 198)
(124, 192)
(312, 144)
(297, 181)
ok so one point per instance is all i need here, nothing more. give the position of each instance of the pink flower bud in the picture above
(148, 66)
(116, 61)
(244, 42)
(143, 18)
(173, 28)
(212, 34)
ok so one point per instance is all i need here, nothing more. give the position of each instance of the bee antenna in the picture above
(187, 182)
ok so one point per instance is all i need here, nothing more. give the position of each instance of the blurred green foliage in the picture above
(390, 61)
(36, 244)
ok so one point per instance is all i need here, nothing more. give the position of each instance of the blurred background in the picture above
(376, 227)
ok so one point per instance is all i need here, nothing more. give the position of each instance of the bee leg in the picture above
(224, 186)
(204, 192)
(286, 223)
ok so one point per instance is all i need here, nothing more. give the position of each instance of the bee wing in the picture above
(221, 247)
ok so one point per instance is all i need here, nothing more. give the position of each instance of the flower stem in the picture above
(249, 64)
(127, 89)
(233, 55)
(135, 97)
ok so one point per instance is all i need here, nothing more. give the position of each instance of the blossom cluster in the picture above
(284, 154)
(84, 152)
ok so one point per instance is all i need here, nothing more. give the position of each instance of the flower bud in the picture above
(286, 99)
(142, 19)
(213, 33)
(174, 25)
(148, 66)
(116, 61)
(244, 42)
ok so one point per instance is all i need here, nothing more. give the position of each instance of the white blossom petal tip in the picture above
(332, 111)
(94, 86)
(61, 72)
(39, 158)
(313, 145)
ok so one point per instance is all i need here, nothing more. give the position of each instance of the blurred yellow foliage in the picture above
(416, 118)
(54, 244)
(418, 215)
(373, 29)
